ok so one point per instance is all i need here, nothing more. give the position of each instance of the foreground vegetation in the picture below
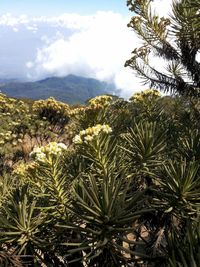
(111, 183)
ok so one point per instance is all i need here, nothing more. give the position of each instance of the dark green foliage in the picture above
(180, 183)
(184, 249)
(145, 145)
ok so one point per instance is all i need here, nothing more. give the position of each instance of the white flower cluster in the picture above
(52, 149)
(90, 133)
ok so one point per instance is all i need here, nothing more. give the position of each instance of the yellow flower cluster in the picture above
(23, 168)
(6, 104)
(77, 111)
(85, 136)
(95, 104)
(146, 94)
(41, 154)
(10, 105)
(52, 104)
(102, 100)
(10, 137)
(5, 99)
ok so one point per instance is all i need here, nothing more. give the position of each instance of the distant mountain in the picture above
(70, 89)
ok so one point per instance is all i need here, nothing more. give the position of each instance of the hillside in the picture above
(70, 89)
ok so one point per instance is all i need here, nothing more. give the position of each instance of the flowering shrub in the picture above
(22, 127)
(46, 153)
(54, 111)
(92, 114)
(96, 103)
(100, 101)
(22, 168)
(147, 104)
(77, 111)
(9, 106)
(90, 133)
(13, 115)
(148, 94)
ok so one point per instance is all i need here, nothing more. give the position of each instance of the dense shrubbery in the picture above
(25, 125)
(112, 183)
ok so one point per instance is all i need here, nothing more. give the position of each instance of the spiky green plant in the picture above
(21, 224)
(144, 147)
(184, 249)
(180, 183)
(189, 145)
(104, 213)
(104, 208)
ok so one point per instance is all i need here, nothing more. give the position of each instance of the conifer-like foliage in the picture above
(175, 39)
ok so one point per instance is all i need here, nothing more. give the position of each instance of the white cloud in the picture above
(32, 28)
(29, 65)
(162, 7)
(9, 20)
(15, 29)
(98, 48)
(68, 20)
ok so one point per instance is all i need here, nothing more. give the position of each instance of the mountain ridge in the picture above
(70, 89)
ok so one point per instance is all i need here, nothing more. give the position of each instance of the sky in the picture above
(44, 38)
(56, 7)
